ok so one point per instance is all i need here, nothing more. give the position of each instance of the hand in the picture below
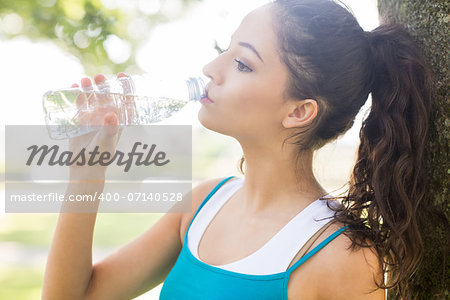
(95, 109)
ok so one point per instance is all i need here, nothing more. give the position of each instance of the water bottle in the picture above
(136, 100)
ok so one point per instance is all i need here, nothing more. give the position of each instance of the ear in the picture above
(301, 113)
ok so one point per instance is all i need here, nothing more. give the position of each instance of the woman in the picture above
(293, 78)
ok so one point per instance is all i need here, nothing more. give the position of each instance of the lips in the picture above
(205, 99)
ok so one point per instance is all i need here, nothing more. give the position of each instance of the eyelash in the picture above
(241, 67)
(219, 49)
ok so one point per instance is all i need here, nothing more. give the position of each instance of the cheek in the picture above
(230, 116)
(243, 107)
(260, 105)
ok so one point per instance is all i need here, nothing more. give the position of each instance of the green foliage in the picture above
(21, 283)
(36, 230)
(83, 27)
(30, 236)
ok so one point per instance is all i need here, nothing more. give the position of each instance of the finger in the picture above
(99, 79)
(126, 82)
(106, 139)
(104, 89)
(86, 85)
(111, 123)
(80, 100)
(127, 102)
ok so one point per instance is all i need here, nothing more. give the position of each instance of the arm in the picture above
(134, 268)
(125, 274)
(145, 262)
(69, 263)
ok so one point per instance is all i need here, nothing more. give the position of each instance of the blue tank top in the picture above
(192, 279)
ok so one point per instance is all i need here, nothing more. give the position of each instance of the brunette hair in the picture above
(331, 59)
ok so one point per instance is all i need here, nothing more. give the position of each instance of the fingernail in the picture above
(99, 78)
(110, 119)
(86, 82)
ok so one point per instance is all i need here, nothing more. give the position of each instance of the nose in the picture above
(212, 71)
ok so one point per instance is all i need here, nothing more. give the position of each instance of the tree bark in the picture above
(428, 23)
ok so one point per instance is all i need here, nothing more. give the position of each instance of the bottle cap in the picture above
(196, 88)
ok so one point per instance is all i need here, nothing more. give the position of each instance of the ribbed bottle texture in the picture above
(136, 100)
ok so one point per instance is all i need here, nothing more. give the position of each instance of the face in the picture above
(247, 83)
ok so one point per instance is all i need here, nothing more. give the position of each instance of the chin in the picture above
(211, 123)
(205, 119)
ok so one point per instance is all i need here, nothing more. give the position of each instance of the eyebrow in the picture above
(250, 46)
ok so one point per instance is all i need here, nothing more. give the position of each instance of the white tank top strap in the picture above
(208, 211)
(274, 256)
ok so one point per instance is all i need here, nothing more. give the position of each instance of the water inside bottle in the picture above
(71, 113)
(151, 110)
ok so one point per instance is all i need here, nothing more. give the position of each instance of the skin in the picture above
(249, 104)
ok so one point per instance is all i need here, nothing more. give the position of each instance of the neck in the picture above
(278, 181)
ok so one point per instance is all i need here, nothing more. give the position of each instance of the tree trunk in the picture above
(428, 23)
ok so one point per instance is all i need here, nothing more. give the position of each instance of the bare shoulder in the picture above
(198, 194)
(352, 272)
(346, 273)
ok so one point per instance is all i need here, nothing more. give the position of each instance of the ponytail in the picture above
(387, 184)
(332, 60)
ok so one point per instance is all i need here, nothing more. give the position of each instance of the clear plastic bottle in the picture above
(137, 100)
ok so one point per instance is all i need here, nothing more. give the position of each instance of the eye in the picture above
(241, 67)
